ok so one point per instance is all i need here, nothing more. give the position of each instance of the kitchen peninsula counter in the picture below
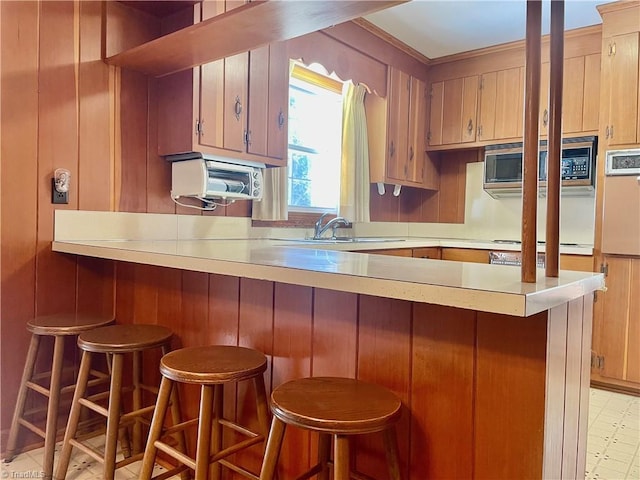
(493, 373)
(488, 288)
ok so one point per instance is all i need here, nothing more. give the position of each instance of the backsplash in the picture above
(491, 219)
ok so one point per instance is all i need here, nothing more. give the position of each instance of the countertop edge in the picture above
(516, 304)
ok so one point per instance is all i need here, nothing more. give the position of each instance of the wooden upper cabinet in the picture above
(397, 128)
(619, 102)
(501, 104)
(580, 95)
(453, 111)
(234, 107)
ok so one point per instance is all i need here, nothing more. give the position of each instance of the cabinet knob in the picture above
(238, 108)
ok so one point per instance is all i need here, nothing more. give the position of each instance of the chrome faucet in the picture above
(334, 223)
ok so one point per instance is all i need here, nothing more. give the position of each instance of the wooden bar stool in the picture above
(211, 367)
(333, 407)
(115, 340)
(57, 327)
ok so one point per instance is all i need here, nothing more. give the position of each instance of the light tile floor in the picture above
(613, 446)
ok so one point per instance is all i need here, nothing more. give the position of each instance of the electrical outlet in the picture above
(56, 196)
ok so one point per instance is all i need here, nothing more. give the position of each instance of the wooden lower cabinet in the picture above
(616, 328)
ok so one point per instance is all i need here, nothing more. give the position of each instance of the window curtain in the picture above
(354, 187)
(274, 204)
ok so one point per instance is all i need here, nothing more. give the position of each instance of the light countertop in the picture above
(482, 287)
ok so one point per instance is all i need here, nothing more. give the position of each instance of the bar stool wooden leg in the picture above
(137, 401)
(324, 454)
(391, 452)
(27, 373)
(52, 410)
(113, 418)
(215, 470)
(341, 458)
(204, 432)
(272, 452)
(162, 402)
(262, 406)
(74, 416)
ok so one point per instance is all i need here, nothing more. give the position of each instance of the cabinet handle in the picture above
(545, 118)
(280, 120)
(611, 131)
(410, 153)
(238, 108)
(479, 131)
(470, 127)
(392, 149)
(613, 49)
(247, 137)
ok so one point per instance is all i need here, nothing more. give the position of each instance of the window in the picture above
(315, 141)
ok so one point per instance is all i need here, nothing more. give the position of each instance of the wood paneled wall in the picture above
(61, 106)
(57, 108)
(465, 378)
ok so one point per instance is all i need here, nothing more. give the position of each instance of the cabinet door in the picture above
(236, 72)
(591, 100)
(573, 95)
(417, 133)
(487, 109)
(621, 61)
(397, 149)
(436, 112)
(459, 110)
(268, 98)
(278, 113)
(509, 103)
(618, 320)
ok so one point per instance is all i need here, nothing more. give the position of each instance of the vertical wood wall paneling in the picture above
(133, 132)
(335, 327)
(557, 341)
(19, 181)
(384, 358)
(224, 310)
(255, 330)
(510, 363)
(383, 208)
(573, 390)
(292, 340)
(442, 399)
(57, 147)
(94, 181)
(158, 169)
(585, 384)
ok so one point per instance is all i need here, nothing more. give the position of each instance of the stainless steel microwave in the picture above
(503, 167)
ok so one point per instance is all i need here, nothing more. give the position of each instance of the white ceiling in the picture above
(437, 28)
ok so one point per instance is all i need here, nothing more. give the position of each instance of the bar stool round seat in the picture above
(211, 367)
(116, 341)
(57, 326)
(124, 338)
(337, 408)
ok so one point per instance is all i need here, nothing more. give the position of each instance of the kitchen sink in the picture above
(342, 240)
